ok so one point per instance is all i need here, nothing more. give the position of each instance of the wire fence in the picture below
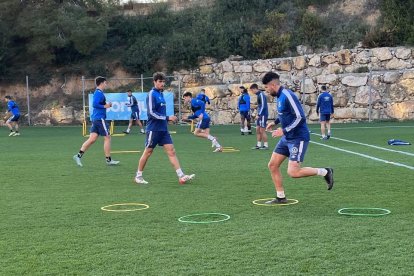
(380, 93)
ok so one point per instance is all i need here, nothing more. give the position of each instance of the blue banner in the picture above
(119, 110)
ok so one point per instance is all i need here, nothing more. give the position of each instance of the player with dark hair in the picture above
(294, 139)
(203, 97)
(202, 128)
(157, 131)
(243, 105)
(261, 117)
(133, 104)
(14, 113)
(99, 125)
(325, 108)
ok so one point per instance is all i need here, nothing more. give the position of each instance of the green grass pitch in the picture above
(51, 222)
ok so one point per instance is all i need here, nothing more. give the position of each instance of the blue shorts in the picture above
(261, 121)
(135, 115)
(159, 138)
(294, 149)
(14, 118)
(203, 124)
(245, 115)
(325, 117)
(101, 127)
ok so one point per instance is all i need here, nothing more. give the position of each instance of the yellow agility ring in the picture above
(261, 202)
(125, 151)
(108, 207)
(230, 149)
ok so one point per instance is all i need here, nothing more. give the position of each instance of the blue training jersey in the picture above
(133, 103)
(203, 98)
(198, 107)
(325, 103)
(13, 108)
(244, 102)
(291, 116)
(262, 104)
(157, 111)
(98, 102)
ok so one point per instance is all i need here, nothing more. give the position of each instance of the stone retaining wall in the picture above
(360, 80)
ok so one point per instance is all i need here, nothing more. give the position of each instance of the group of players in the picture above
(293, 132)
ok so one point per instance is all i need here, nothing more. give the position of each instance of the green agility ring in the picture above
(367, 212)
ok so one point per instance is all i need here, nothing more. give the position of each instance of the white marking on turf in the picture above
(365, 156)
(339, 128)
(369, 145)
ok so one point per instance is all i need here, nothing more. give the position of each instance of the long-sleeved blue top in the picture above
(13, 108)
(198, 107)
(99, 110)
(244, 102)
(157, 111)
(203, 98)
(325, 103)
(291, 116)
(133, 103)
(262, 104)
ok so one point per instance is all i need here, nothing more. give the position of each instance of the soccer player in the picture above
(261, 121)
(99, 125)
(202, 128)
(133, 104)
(157, 131)
(202, 96)
(244, 108)
(325, 108)
(294, 139)
(14, 113)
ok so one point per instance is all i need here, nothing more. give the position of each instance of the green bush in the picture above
(272, 41)
(312, 30)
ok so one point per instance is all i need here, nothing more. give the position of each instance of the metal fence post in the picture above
(369, 95)
(28, 99)
(83, 98)
(142, 83)
(179, 98)
(303, 87)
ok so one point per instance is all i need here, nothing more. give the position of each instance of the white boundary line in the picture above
(339, 128)
(365, 156)
(368, 145)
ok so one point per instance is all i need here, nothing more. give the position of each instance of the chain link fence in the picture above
(372, 95)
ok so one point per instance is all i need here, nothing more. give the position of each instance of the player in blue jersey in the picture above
(133, 104)
(202, 96)
(261, 117)
(325, 108)
(294, 139)
(157, 131)
(202, 128)
(12, 115)
(99, 125)
(243, 105)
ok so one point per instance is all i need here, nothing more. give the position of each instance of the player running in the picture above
(14, 113)
(133, 104)
(99, 125)
(157, 131)
(202, 128)
(294, 139)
